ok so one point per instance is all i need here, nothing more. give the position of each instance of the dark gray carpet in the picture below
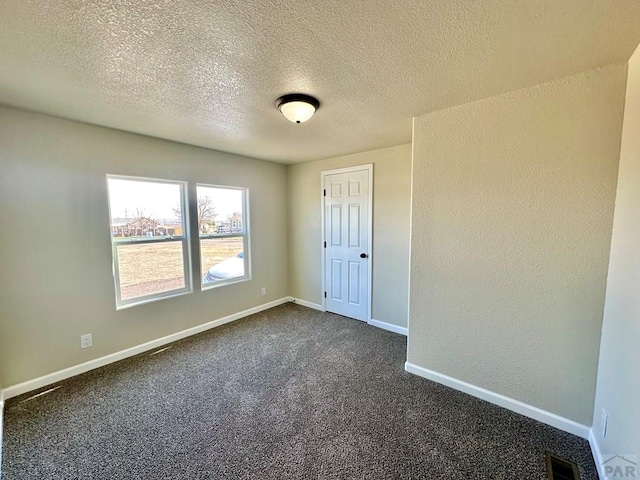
(287, 393)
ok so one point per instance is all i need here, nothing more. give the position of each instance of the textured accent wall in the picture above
(618, 389)
(391, 209)
(512, 209)
(57, 280)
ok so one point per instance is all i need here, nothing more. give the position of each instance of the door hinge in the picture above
(324, 193)
(325, 294)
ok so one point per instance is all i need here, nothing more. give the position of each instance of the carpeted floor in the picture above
(287, 393)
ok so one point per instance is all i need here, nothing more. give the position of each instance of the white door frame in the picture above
(323, 174)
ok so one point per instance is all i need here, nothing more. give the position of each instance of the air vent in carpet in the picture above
(561, 469)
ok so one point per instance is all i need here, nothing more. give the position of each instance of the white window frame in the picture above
(245, 235)
(184, 239)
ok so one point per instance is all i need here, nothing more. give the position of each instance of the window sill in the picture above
(143, 301)
(223, 283)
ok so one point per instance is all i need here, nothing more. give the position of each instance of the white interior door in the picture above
(347, 235)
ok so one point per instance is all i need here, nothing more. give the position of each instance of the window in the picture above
(148, 238)
(222, 225)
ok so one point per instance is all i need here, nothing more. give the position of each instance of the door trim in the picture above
(323, 174)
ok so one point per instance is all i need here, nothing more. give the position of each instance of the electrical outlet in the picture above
(603, 425)
(264, 291)
(86, 341)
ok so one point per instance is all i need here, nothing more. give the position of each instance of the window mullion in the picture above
(116, 272)
(191, 222)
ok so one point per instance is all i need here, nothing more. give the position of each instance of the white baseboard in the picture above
(376, 323)
(388, 326)
(509, 403)
(19, 389)
(596, 452)
(304, 303)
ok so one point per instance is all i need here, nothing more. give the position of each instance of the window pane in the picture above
(220, 210)
(150, 268)
(221, 259)
(145, 208)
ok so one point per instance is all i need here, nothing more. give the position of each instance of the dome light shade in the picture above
(297, 107)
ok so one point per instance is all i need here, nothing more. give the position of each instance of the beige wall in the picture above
(391, 209)
(512, 213)
(618, 388)
(57, 281)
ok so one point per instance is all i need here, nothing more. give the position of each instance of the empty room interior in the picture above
(293, 239)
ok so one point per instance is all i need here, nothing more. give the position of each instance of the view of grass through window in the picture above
(222, 228)
(150, 239)
(148, 236)
(150, 268)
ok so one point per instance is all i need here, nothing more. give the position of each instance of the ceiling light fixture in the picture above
(297, 107)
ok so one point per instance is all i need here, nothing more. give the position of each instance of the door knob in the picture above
(363, 255)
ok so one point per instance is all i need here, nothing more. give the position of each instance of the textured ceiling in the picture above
(208, 72)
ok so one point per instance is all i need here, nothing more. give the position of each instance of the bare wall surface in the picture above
(57, 278)
(391, 210)
(512, 212)
(618, 389)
